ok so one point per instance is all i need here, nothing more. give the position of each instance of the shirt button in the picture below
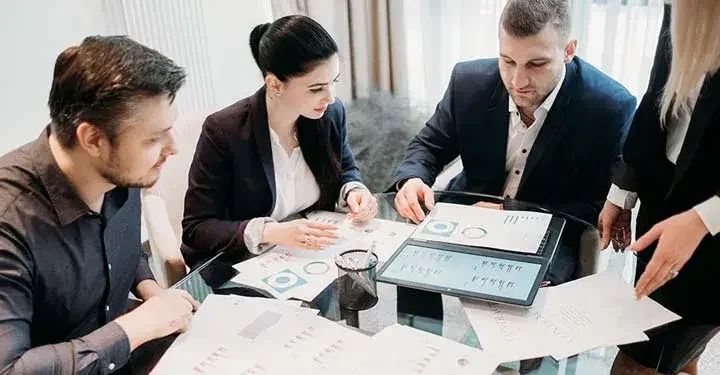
(517, 171)
(524, 151)
(111, 366)
(109, 266)
(107, 308)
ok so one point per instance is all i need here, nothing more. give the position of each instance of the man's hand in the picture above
(161, 315)
(614, 224)
(677, 238)
(407, 201)
(146, 289)
(490, 205)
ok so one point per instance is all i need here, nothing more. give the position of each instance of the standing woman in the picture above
(275, 154)
(671, 161)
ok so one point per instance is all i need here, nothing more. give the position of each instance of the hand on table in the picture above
(407, 200)
(363, 205)
(161, 315)
(300, 234)
(490, 205)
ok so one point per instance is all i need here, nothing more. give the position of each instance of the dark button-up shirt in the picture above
(65, 271)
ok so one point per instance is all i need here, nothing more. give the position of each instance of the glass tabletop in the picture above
(439, 314)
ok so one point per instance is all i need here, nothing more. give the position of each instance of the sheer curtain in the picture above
(617, 36)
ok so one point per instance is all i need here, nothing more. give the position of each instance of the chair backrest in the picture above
(163, 204)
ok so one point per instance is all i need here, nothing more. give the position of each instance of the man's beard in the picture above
(117, 175)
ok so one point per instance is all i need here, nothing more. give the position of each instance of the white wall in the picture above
(208, 38)
(228, 24)
(32, 34)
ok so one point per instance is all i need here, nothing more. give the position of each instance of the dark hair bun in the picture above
(255, 36)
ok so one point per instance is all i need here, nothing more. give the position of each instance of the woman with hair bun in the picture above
(277, 153)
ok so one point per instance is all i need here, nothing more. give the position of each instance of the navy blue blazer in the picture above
(569, 166)
(232, 179)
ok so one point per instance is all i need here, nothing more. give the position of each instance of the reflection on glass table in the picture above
(432, 312)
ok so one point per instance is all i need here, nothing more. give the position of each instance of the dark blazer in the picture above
(569, 166)
(666, 189)
(232, 179)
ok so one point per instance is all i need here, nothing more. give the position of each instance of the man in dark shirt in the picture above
(70, 215)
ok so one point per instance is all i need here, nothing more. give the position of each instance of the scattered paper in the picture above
(519, 231)
(387, 235)
(416, 352)
(287, 273)
(303, 274)
(592, 312)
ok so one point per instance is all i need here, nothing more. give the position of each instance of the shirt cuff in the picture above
(111, 345)
(622, 198)
(254, 233)
(345, 190)
(709, 212)
(143, 271)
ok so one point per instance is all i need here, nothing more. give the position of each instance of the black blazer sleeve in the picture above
(645, 139)
(209, 191)
(434, 147)
(350, 171)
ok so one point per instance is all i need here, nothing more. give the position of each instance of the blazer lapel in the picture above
(707, 104)
(549, 134)
(494, 140)
(261, 131)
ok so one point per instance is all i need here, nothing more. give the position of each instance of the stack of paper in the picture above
(520, 231)
(592, 312)
(242, 335)
(303, 274)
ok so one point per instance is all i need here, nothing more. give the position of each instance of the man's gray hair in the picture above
(523, 18)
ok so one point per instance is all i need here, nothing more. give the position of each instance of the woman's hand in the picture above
(677, 238)
(362, 204)
(300, 234)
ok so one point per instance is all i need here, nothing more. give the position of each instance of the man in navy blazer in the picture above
(538, 124)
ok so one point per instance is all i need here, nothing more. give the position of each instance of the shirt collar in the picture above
(67, 204)
(549, 101)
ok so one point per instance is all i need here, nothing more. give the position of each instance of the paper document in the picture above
(287, 273)
(520, 231)
(243, 335)
(387, 235)
(592, 312)
(403, 350)
(223, 327)
(303, 274)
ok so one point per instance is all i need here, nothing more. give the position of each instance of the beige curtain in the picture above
(370, 37)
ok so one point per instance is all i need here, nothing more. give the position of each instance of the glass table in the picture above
(441, 315)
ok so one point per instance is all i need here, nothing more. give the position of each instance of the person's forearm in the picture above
(99, 352)
(147, 288)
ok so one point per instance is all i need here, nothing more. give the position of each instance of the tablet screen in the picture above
(463, 272)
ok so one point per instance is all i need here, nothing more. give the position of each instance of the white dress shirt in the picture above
(709, 211)
(295, 190)
(521, 139)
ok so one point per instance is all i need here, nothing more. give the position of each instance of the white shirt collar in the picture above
(549, 101)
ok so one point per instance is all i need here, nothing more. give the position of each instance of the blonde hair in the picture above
(695, 36)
